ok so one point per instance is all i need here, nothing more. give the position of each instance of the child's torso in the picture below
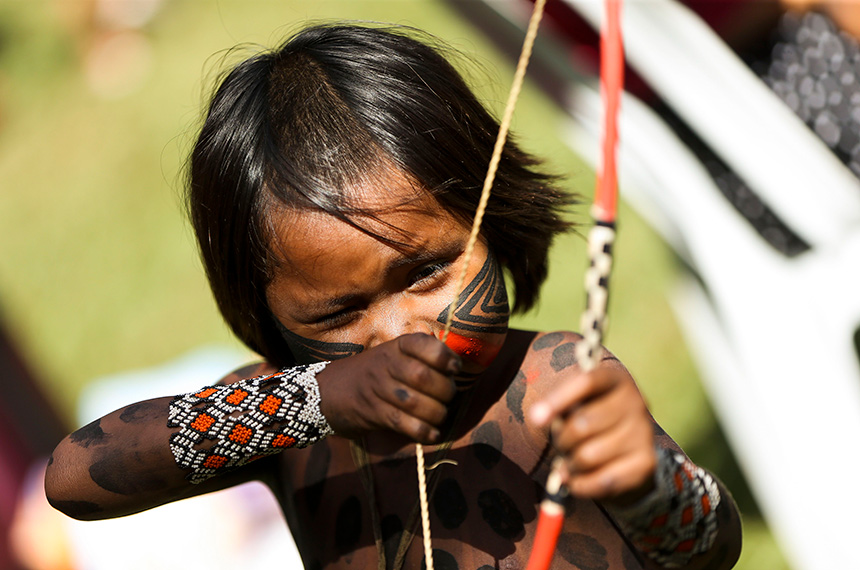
(483, 510)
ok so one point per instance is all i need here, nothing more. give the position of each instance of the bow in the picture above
(600, 241)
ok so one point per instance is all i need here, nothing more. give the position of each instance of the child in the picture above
(331, 190)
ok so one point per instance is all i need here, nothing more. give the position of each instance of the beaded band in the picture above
(677, 520)
(247, 420)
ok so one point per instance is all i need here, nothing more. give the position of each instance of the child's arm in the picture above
(122, 463)
(603, 430)
(147, 454)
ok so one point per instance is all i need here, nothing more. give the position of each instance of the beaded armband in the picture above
(246, 420)
(677, 520)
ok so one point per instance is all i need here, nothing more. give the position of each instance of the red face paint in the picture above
(472, 349)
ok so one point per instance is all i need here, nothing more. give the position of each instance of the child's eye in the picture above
(427, 272)
(338, 318)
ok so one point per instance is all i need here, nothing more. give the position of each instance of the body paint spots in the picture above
(77, 508)
(515, 395)
(500, 512)
(392, 530)
(315, 476)
(401, 394)
(563, 356)
(548, 340)
(141, 412)
(347, 528)
(90, 434)
(449, 503)
(110, 472)
(472, 349)
(487, 444)
(582, 551)
(442, 560)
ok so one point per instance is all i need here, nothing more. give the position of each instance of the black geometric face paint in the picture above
(487, 293)
(308, 351)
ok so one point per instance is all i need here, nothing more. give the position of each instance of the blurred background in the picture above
(103, 299)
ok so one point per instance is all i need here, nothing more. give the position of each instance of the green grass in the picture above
(98, 270)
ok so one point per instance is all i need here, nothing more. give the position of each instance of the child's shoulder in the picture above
(549, 353)
(555, 349)
(551, 358)
(535, 362)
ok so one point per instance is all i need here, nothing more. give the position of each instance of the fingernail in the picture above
(539, 414)
(455, 365)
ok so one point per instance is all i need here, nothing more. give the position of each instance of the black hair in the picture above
(333, 106)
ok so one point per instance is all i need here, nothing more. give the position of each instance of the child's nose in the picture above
(401, 319)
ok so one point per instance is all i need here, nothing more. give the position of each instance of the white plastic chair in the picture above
(772, 335)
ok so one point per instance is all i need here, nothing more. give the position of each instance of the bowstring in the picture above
(501, 138)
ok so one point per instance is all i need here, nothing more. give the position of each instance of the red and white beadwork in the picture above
(678, 519)
(246, 420)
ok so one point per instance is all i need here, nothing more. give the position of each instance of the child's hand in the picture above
(603, 430)
(402, 385)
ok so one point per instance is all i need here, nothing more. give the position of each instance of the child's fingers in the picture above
(592, 453)
(431, 351)
(588, 421)
(570, 393)
(417, 375)
(624, 475)
(414, 403)
(395, 419)
(592, 419)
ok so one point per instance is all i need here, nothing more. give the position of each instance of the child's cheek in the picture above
(475, 350)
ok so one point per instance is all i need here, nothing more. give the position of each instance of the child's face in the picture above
(338, 290)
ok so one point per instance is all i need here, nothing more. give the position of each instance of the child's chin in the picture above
(472, 371)
(467, 379)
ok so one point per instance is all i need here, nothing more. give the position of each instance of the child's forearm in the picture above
(161, 450)
(220, 428)
(688, 521)
(116, 465)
